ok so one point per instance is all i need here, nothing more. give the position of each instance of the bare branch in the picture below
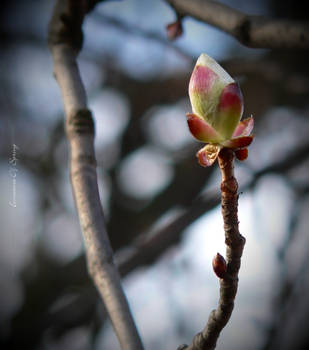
(65, 40)
(207, 339)
(252, 31)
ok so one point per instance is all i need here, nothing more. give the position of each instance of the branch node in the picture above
(229, 186)
(243, 31)
(198, 340)
(80, 122)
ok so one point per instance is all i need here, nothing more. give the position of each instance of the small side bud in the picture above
(174, 30)
(219, 265)
(242, 154)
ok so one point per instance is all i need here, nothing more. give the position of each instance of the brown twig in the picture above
(134, 29)
(65, 41)
(207, 339)
(252, 31)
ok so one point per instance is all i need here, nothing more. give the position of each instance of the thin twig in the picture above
(133, 29)
(207, 339)
(65, 40)
(252, 31)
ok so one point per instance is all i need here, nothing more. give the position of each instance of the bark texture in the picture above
(207, 338)
(251, 31)
(65, 41)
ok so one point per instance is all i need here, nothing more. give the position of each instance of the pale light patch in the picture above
(144, 173)
(166, 126)
(77, 339)
(61, 239)
(111, 112)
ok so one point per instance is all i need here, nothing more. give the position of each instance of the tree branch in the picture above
(65, 40)
(207, 339)
(251, 31)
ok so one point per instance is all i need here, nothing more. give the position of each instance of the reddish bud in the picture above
(241, 154)
(174, 30)
(219, 265)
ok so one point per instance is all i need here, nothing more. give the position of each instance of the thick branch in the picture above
(65, 40)
(207, 339)
(252, 31)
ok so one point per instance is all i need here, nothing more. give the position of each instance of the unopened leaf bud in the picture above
(215, 96)
(219, 265)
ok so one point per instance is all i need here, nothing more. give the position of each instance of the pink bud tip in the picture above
(231, 98)
(202, 80)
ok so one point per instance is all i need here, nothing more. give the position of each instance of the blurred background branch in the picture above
(252, 31)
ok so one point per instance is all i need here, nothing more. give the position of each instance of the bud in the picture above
(174, 30)
(241, 154)
(219, 265)
(215, 96)
(208, 155)
(217, 105)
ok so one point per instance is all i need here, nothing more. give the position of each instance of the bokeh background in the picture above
(150, 183)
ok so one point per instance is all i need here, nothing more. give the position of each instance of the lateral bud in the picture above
(174, 30)
(219, 265)
(241, 154)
